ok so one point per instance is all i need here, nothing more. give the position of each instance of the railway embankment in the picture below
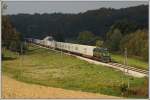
(132, 71)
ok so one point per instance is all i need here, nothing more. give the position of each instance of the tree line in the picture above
(70, 25)
(115, 29)
(134, 39)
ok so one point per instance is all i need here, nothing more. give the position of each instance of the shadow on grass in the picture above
(8, 58)
(31, 51)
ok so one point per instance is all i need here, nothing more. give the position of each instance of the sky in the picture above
(31, 7)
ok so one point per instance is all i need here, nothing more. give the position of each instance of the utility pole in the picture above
(61, 55)
(21, 52)
(125, 62)
(21, 56)
(125, 56)
(61, 49)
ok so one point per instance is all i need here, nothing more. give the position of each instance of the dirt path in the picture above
(16, 89)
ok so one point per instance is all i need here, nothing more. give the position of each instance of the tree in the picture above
(85, 37)
(125, 26)
(10, 37)
(136, 43)
(99, 43)
(59, 37)
(113, 39)
(69, 25)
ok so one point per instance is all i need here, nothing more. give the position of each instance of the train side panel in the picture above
(37, 41)
(76, 48)
(82, 49)
(51, 44)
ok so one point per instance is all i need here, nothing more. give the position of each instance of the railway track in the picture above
(125, 67)
(129, 68)
(113, 63)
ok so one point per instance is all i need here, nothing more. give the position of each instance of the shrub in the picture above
(123, 88)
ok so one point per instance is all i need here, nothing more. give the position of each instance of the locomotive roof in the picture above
(48, 38)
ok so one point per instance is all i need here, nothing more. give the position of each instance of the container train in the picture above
(101, 54)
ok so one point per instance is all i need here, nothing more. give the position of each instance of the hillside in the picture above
(69, 25)
(115, 29)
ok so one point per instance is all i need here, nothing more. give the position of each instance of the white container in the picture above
(77, 48)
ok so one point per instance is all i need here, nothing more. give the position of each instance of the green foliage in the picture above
(113, 39)
(69, 25)
(88, 38)
(123, 88)
(124, 34)
(138, 90)
(85, 37)
(99, 43)
(7, 30)
(11, 39)
(136, 44)
(125, 26)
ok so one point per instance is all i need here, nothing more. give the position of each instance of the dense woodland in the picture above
(115, 29)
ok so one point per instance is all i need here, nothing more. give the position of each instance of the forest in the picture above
(115, 29)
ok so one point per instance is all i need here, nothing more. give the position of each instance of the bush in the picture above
(137, 91)
(123, 88)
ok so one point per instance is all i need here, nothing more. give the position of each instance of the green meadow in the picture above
(53, 69)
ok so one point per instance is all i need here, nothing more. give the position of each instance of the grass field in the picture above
(50, 68)
(135, 62)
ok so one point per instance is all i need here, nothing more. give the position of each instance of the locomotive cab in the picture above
(102, 53)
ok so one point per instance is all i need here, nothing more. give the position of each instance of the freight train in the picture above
(102, 54)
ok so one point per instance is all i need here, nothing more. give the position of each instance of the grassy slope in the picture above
(49, 68)
(135, 62)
